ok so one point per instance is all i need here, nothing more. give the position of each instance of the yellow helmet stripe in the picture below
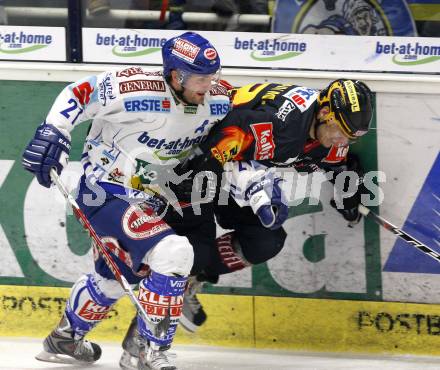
(343, 125)
(352, 96)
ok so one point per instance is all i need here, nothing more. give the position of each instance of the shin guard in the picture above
(162, 298)
(87, 304)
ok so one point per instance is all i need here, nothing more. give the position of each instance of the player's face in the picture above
(330, 133)
(196, 86)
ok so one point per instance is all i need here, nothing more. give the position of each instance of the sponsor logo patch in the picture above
(228, 255)
(105, 89)
(147, 104)
(190, 109)
(93, 312)
(159, 306)
(210, 54)
(142, 224)
(352, 97)
(218, 90)
(219, 108)
(141, 85)
(82, 92)
(303, 97)
(336, 154)
(264, 143)
(185, 50)
(128, 72)
(169, 149)
(285, 109)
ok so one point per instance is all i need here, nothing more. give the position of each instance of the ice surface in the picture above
(18, 354)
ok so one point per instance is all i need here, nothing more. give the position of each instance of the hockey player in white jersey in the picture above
(140, 119)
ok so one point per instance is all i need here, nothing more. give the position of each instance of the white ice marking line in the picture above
(437, 227)
(435, 196)
(437, 212)
(437, 242)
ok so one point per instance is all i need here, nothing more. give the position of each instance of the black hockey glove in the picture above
(183, 190)
(197, 186)
(352, 214)
(349, 209)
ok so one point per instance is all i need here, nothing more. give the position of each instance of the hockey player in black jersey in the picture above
(282, 126)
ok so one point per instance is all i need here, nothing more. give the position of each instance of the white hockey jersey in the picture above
(136, 121)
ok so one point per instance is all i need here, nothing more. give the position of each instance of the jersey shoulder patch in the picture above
(218, 105)
(218, 90)
(302, 97)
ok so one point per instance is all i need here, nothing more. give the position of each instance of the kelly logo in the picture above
(264, 144)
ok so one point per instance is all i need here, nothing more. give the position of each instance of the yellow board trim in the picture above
(425, 12)
(347, 326)
(245, 321)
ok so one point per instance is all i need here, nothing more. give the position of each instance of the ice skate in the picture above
(154, 358)
(193, 315)
(63, 346)
(131, 345)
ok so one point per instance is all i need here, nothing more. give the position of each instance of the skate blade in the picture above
(58, 359)
(187, 325)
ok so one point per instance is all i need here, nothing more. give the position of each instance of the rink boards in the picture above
(250, 321)
(329, 289)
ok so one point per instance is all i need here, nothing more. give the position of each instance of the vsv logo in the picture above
(423, 223)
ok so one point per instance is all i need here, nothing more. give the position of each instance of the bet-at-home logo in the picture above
(128, 46)
(270, 49)
(22, 42)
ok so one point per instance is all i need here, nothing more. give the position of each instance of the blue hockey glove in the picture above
(352, 214)
(48, 149)
(267, 201)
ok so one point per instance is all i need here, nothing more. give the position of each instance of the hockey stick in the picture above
(160, 328)
(399, 232)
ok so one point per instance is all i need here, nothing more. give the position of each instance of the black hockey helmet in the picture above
(351, 103)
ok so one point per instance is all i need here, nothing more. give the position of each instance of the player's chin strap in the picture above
(399, 232)
(159, 329)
